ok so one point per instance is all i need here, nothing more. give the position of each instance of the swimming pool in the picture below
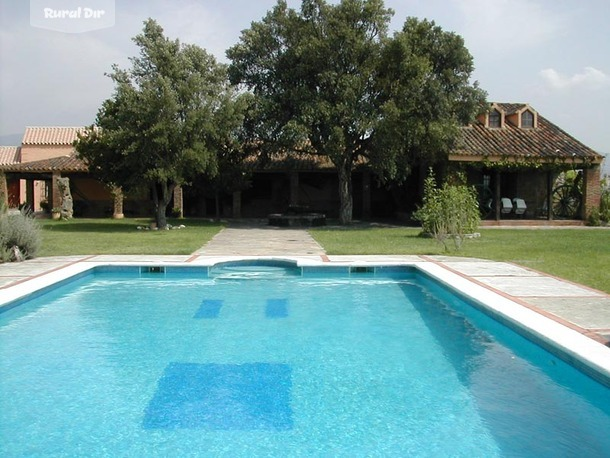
(272, 359)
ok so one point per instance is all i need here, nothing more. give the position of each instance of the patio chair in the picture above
(507, 205)
(519, 206)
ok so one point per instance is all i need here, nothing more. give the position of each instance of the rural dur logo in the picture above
(72, 16)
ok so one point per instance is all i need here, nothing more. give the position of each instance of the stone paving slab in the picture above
(6, 280)
(586, 312)
(15, 272)
(139, 258)
(538, 286)
(28, 268)
(261, 241)
(478, 268)
(374, 258)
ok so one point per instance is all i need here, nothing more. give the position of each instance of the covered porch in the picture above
(35, 185)
(518, 194)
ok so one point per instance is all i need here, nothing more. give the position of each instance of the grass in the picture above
(107, 236)
(579, 255)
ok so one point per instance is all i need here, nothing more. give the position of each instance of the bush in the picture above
(449, 212)
(604, 206)
(594, 218)
(601, 216)
(18, 230)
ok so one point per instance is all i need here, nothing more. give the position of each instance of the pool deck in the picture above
(571, 308)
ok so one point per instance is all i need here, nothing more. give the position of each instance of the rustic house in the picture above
(523, 166)
(46, 154)
(512, 152)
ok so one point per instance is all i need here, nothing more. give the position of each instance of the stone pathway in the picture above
(261, 241)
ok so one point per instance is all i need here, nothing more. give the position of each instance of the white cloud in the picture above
(501, 26)
(590, 77)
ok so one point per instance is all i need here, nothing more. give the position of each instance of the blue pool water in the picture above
(266, 362)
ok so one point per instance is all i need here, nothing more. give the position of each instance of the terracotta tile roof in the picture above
(50, 135)
(10, 155)
(547, 142)
(510, 108)
(54, 164)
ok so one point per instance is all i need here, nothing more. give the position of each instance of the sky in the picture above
(552, 54)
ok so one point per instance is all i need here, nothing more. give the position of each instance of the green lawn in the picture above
(580, 255)
(107, 236)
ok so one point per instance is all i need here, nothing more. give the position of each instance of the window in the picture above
(527, 119)
(495, 119)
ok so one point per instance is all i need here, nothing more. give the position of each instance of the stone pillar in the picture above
(498, 195)
(65, 196)
(591, 197)
(29, 193)
(294, 188)
(3, 192)
(179, 201)
(550, 180)
(366, 195)
(237, 204)
(117, 202)
(55, 200)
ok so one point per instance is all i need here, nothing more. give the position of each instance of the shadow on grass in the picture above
(123, 226)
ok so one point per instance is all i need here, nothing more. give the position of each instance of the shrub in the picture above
(449, 212)
(18, 230)
(594, 218)
(601, 216)
(604, 206)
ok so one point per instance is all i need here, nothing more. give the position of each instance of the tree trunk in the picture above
(217, 204)
(346, 203)
(162, 196)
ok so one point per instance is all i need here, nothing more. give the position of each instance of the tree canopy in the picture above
(170, 115)
(328, 80)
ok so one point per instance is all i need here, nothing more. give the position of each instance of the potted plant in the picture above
(55, 213)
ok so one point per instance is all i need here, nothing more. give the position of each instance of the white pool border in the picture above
(589, 356)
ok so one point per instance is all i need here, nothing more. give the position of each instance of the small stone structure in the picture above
(65, 198)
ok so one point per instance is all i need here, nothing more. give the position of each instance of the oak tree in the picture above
(328, 80)
(170, 115)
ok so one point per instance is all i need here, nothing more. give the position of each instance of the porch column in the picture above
(294, 188)
(117, 202)
(591, 197)
(237, 204)
(55, 200)
(3, 192)
(29, 193)
(179, 200)
(550, 179)
(366, 195)
(497, 195)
